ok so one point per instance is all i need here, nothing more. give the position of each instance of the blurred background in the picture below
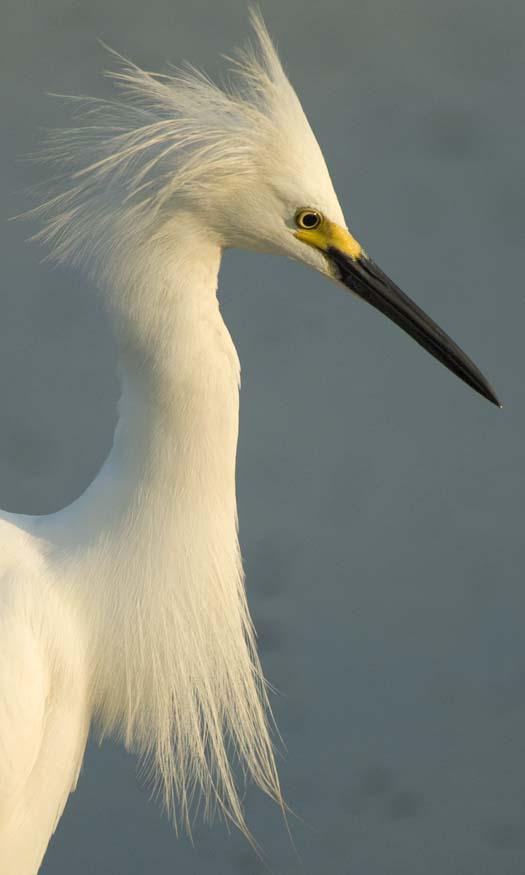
(381, 501)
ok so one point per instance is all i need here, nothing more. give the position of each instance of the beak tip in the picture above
(491, 396)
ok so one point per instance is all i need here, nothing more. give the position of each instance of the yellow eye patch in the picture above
(327, 235)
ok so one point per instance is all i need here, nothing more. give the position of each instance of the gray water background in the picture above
(381, 501)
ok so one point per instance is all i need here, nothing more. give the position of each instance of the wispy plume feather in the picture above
(163, 137)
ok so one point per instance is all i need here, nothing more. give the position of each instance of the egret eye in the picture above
(308, 219)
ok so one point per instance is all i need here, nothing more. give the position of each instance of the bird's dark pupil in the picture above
(309, 220)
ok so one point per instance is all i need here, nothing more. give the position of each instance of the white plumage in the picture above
(126, 611)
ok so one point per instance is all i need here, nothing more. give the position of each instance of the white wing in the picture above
(43, 717)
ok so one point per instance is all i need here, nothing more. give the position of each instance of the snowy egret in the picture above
(126, 611)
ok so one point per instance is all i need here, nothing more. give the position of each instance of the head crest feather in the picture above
(163, 137)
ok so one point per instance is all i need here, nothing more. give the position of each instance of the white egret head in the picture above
(241, 164)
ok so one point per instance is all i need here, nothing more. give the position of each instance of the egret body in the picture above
(126, 611)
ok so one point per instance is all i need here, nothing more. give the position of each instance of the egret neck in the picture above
(174, 665)
(180, 376)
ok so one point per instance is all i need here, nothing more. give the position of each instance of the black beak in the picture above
(364, 278)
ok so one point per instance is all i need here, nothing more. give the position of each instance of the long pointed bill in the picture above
(354, 269)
